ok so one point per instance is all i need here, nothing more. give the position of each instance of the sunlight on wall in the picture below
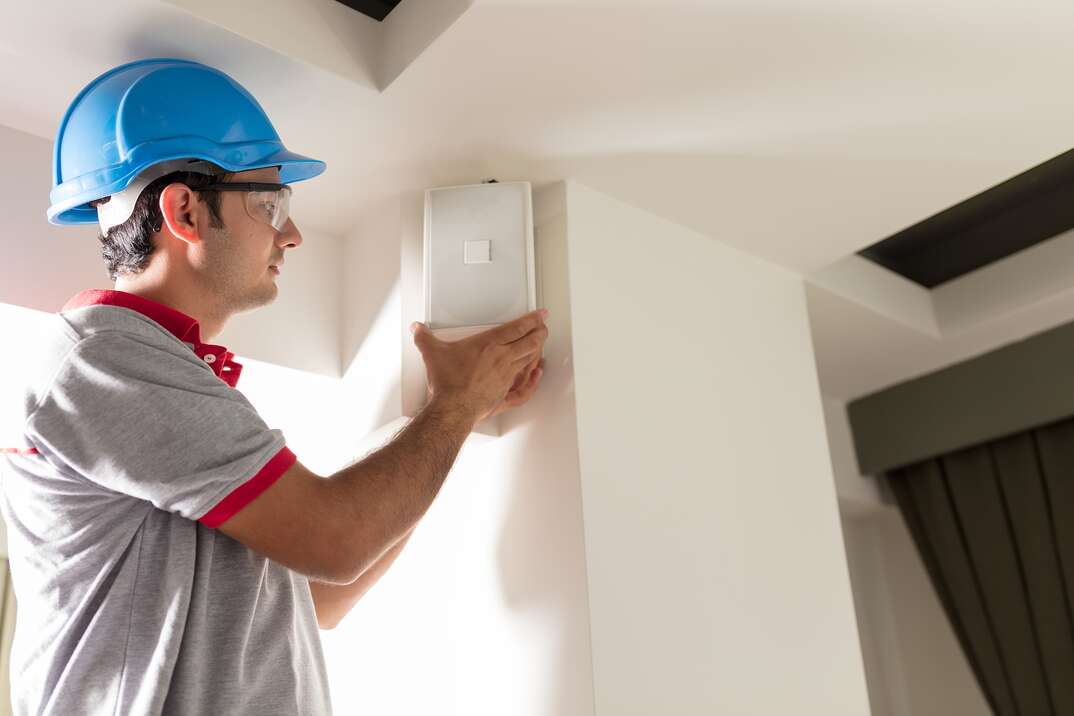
(485, 611)
(485, 605)
(20, 325)
(370, 384)
(306, 406)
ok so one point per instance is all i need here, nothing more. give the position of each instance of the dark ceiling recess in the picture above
(1025, 210)
(376, 9)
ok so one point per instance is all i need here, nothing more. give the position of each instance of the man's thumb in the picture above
(418, 330)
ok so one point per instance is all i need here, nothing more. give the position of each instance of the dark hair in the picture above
(126, 248)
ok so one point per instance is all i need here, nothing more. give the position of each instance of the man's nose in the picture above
(290, 236)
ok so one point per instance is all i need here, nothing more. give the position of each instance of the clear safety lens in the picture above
(271, 207)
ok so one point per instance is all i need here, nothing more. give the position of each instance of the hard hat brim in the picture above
(75, 209)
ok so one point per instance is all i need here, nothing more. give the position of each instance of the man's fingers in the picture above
(525, 374)
(525, 348)
(522, 395)
(520, 327)
(422, 335)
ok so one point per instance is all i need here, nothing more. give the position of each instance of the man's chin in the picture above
(269, 296)
(254, 300)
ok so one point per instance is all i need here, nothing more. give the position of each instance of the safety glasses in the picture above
(267, 202)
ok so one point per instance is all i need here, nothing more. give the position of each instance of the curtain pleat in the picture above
(994, 525)
(1033, 523)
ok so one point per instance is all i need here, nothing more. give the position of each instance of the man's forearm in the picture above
(385, 494)
(333, 601)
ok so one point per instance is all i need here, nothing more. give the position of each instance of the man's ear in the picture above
(180, 208)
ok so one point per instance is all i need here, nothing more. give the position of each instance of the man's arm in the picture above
(344, 523)
(334, 601)
(335, 529)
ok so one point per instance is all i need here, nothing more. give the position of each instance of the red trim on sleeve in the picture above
(245, 493)
(19, 451)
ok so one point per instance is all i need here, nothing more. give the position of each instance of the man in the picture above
(169, 553)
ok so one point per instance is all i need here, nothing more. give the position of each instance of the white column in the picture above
(716, 569)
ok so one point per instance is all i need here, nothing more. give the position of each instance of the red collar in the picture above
(175, 322)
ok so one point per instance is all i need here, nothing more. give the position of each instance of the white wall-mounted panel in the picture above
(478, 255)
(412, 208)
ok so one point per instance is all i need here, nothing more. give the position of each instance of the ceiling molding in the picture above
(988, 227)
(376, 9)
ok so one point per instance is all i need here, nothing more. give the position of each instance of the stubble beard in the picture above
(231, 278)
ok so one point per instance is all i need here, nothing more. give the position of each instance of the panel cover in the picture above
(458, 223)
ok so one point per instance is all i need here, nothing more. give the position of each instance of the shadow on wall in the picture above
(372, 381)
(371, 257)
(540, 553)
(371, 322)
(371, 315)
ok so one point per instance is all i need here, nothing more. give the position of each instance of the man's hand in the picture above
(523, 389)
(489, 372)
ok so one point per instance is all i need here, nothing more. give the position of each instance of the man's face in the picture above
(238, 259)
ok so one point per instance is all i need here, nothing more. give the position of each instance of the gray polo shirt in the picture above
(136, 446)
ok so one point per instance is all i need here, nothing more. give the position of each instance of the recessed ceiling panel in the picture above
(376, 9)
(1021, 212)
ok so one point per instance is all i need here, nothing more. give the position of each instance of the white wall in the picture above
(24, 323)
(858, 494)
(914, 664)
(44, 265)
(372, 321)
(717, 576)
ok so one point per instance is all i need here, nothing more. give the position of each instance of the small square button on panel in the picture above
(478, 252)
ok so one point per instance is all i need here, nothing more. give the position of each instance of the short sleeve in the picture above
(153, 422)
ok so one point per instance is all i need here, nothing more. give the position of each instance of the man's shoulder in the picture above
(95, 320)
(109, 336)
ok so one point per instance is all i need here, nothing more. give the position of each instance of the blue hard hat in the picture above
(155, 110)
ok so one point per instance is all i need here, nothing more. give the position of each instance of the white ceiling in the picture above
(799, 132)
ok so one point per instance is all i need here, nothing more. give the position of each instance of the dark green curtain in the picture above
(994, 524)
